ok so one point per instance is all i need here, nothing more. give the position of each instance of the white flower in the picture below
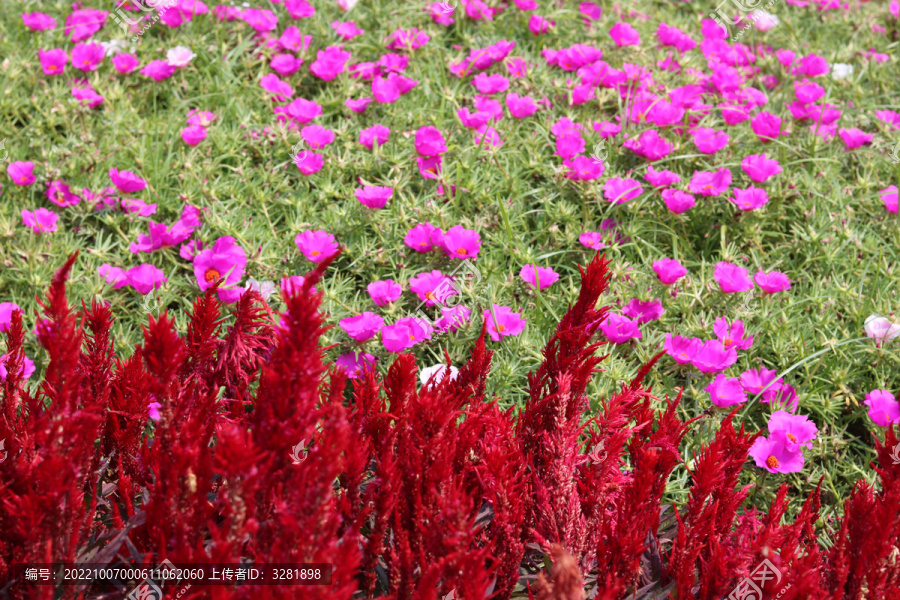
(841, 71)
(439, 372)
(113, 47)
(346, 5)
(880, 328)
(263, 288)
(765, 20)
(179, 56)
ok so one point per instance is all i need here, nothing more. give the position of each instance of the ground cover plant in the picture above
(266, 199)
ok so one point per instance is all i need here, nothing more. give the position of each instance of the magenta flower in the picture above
(772, 282)
(432, 288)
(204, 118)
(619, 329)
(709, 141)
(280, 90)
(59, 194)
(424, 237)
(21, 172)
(669, 270)
(145, 278)
(569, 143)
(317, 136)
(430, 141)
(503, 322)
(347, 30)
(309, 162)
(27, 367)
(473, 120)
(385, 90)
(87, 96)
(643, 311)
(812, 66)
(490, 84)
(125, 63)
(712, 357)
(662, 178)
(302, 111)
(223, 260)
(884, 410)
(759, 168)
(193, 134)
(773, 455)
(158, 70)
(520, 106)
(672, 36)
(889, 196)
(161, 236)
(115, 276)
(650, 145)
(459, 242)
(376, 134)
(285, 64)
(260, 19)
(766, 126)
(681, 349)
(384, 292)
(358, 106)
(732, 336)
(53, 62)
(749, 199)
(732, 278)
(452, 318)
(619, 191)
(41, 220)
(374, 196)
(354, 363)
(710, 184)
(854, 138)
(624, 34)
(538, 277)
(6, 310)
(538, 25)
(798, 429)
(190, 249)
(584, 168)
(316, 245)
(126, 181)
(678, 201)
(87, 57)
(362, 327)
(762, 381)
(592, 239)
(85, 22)
(38, 21)
(407, 39)
(329, 63)
(405, 333)
(726, 391)
(592, 11)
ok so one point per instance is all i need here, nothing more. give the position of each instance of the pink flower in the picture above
(592, 239)
(538, 277)
(854, 138)
(21, 172)
(584, 168)
(145, 278)
(672, 36)
(376, 134)
(459, 242)
(87, 96)
(53, 62)
(884, 410)
(761, 381)
(329, 63)
(85, 22)
(712, 357)
(709, 141)
(662, 178)
(316, 245)
(569, 143)
(452, 318)
(193, 134)
(189, 250)
(520, 106)
(27, 367)
(650, 145)
(798, 429)
(279, 89)
(624, 34)
(354, 363)
(726, 391)
(302, 111)
(38, 21)
(812, 66)
(681, 349)
(41, 220)
(317, 136)
(503, 322)
(260, 19)
(619, 191)
(517, 68)
(405, 333)
(384, 292)
(678, 201)
(759, 168)
(59, 194)
(772, 282)
(473, 120)
(224, 259)
(180, 56)
(161, 236)
(749, 199)
(347, 30)
(374, 196)
(808, 91)
(710, 184)
(411, 39)
(732, 336)
(430, 141)
(6, 310)
(766, 126)
(113, 275)
(669, 270)
(424, 237)
(126, 181)
(889, 195)
(158, 70)
(773, 455)
(538, 24)
(590, 10)
(385, 90)
(362, 327)
(619, 329)
(880, 328)
(358, 106)
(643, 310)
(309, 162)
(732, 278)
(490, 84)
(285, 64)
(432, 288)
(125, 63)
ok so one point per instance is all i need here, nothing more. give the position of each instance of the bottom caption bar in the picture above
(168, 575)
